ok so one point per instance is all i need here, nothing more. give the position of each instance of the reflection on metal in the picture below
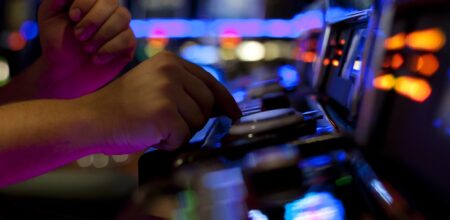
(315, 205)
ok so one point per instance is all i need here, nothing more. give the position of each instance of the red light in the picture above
(342, 42)
(340, 52)
(326, 62)
(426, 64)
(309, 57)
(16, 41)
(397, 61)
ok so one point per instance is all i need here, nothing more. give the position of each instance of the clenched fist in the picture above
(85, 44)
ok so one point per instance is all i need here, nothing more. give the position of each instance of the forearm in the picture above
(38, 136)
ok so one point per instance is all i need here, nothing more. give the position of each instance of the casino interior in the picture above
(346, 115)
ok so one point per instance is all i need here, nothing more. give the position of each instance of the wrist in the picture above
(89, 127)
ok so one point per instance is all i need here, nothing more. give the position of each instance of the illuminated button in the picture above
(426, 64)
(326, 62)
(430, 39)
(384, 82)
(335, 63)
(413, 88)
(397, 61)
(395, 42)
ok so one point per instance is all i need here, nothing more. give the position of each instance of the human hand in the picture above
(85, 44)
(161, 102)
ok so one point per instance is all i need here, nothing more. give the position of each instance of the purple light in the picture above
(181, 28)
(308, 21)
(279, 28)
(243, 27)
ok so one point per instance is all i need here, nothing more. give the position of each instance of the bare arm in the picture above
(38, 136)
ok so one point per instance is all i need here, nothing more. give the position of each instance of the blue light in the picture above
(256, 215)
(183, 28)
(201, 54)
(447, 131)
(315, 206)
(437, 123)
(319, 161)
(29, 30)
(239, 95)
(214, 72)
(311, 20)
(288, 76)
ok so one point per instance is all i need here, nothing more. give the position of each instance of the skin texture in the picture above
(52, 116)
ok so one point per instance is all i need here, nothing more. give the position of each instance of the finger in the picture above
(190, 111)
(178, 135)
(50, 8)
(95, 18)
(200, 93)
(117, 23)
(222, 98)
(79, 8)
(122, 46)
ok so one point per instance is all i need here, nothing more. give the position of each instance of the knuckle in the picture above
(124, 13)
(111, 2)
(168, 68)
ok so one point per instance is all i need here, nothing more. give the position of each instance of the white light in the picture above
(120, 158)
(4, 71)
(251, 51)
(256, 215)
(357, 65)
(85, 161)
(382, 192)
(100, 161)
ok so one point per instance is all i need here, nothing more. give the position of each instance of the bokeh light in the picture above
(16, 41)
(251, 51)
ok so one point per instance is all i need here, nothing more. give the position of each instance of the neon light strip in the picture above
(182, 28)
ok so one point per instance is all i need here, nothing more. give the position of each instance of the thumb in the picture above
(50, 8)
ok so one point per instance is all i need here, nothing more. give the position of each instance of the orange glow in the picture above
(397, 61)
(430, 40)
(326, 62)
(158, 42)
(384, 82)
(395, 42)
(427, 64)
(335, 63)
(16, 41)
(230, 42)
(342, 42)
(413, 88)
(340, 52)
(309, 57)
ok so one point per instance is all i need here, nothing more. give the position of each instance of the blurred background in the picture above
(375, 71)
